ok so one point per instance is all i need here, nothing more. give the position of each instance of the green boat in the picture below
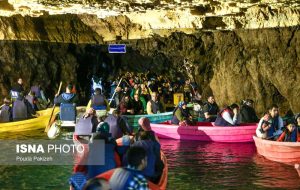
(154, 118)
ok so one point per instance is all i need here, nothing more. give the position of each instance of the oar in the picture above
(48, 126)
(115, 92)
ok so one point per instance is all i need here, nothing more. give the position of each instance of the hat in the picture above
(144, 122)
(181, 103)
(103, 127)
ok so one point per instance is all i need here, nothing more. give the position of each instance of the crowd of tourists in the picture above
(135, 155)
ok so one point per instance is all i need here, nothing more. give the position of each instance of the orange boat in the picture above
(284, 152)
(162, 184)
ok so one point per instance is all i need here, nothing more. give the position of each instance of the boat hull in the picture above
(284, 152)
(30, 124)
(154, 118)
(205, 131)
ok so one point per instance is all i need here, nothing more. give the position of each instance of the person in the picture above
(22, 109)
(126, 91)
(112, 160)
(155, 166)
(131, 177)
(270, 125)
(118, 96)
(229, 116)
(154, 106)
(67, 97)
(289, 134)
(42, 101)
(188, 90)
(144, 91)
(137, 105)
(297, 124)
(19, 87)
(36, 88)
(152, 85)
(210, 109)
(134, 90)
(88, 122)
(6, 111)
(113, 86)
(144, 125)
(118, 125)
(32, 99)
(14, 93)
(96, 82)
(248, 114)
(67, 101)
(126, 107)
(181, 115)
(98, 101)
(144, 135)
(97, 184)
(197, 97)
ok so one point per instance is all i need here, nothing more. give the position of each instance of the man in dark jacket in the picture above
(19, 86)
(210, 109)
(137, 104)
(67, 101)
(247, 112)
(67, 97)
(14, 93)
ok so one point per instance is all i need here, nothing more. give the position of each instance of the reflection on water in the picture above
(33, 177)
(273, 174)
(192, 165)
(201, 165)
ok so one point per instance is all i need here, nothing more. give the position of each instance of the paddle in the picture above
(48, 126)
(115, 92)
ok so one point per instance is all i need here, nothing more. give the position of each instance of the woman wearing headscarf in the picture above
(147, 139)
(181, 115)
(144, 125)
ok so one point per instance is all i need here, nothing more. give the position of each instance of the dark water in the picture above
(192, 165)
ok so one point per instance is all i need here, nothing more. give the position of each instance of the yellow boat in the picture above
(31, 124)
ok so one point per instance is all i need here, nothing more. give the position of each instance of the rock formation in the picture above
(236, 50)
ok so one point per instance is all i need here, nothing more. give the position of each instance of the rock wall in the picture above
(234, 50)
(139, 19)
(262, 64)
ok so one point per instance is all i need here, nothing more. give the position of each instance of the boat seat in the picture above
(67, 112)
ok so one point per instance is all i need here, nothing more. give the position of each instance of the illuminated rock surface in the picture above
(245, 49)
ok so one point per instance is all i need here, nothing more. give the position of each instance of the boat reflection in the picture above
(275, 175)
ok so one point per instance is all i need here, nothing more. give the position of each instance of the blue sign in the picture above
(117, 48)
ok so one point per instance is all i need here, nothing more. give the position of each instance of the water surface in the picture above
(192, 165)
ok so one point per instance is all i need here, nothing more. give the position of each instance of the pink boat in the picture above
(284, 152)
(205, 131)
